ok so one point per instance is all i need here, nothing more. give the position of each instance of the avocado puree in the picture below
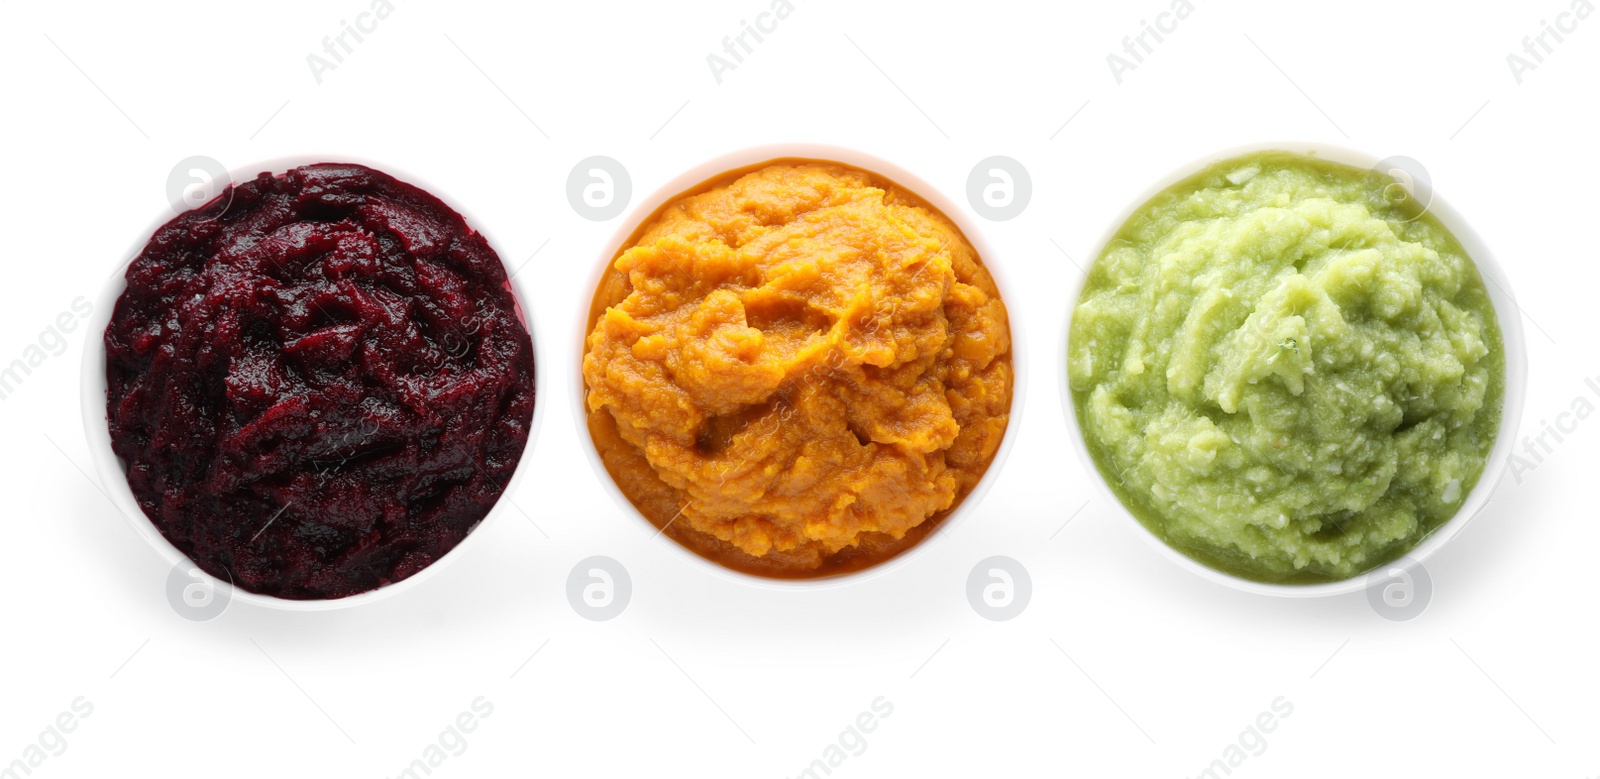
(1286, 369)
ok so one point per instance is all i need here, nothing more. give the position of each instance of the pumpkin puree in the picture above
(799, 370)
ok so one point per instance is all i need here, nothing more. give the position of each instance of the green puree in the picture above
(1286, 370)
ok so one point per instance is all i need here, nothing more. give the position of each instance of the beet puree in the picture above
(319, 382)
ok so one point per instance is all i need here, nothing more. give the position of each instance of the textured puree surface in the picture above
(319, 383)
(1286, 369)
(798, 370)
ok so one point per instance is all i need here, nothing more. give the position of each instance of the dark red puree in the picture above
(319, 382)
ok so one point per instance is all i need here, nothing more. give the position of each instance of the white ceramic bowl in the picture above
(712, 168)
(112, 472)
(1505, 309)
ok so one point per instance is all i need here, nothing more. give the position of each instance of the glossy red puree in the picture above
(319, 382)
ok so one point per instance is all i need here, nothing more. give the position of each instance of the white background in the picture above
(1122, 665)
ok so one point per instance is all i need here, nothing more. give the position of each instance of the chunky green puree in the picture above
(1286, 369)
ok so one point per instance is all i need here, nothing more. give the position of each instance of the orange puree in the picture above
(797, 370)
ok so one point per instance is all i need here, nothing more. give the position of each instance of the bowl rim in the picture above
(726, 162)
(109, 468)
(1513, 395)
